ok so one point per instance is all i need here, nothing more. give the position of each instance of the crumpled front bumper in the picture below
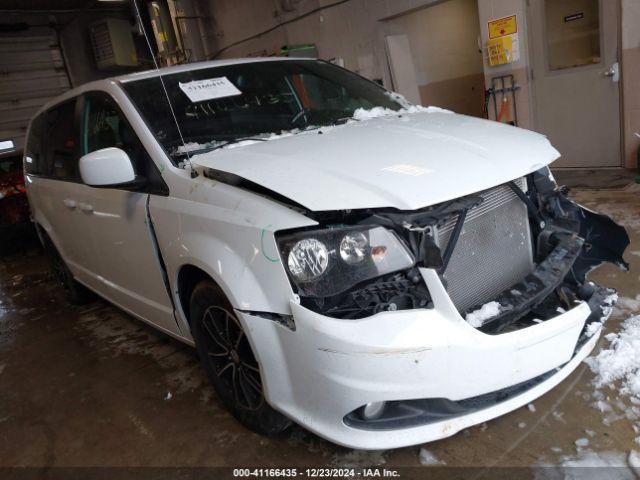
(328, 367)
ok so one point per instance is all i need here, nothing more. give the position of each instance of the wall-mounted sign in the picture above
(503, 50)
(503, 27)
(574, 17)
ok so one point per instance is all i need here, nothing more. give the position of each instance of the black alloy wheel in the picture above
(228, 359)
(230, 356)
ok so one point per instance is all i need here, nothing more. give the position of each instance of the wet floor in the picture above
(91, 386)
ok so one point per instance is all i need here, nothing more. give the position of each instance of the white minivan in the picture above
(381, 273)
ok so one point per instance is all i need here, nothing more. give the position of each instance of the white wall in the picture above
(353, 31)
(443, 39)
(448, 61)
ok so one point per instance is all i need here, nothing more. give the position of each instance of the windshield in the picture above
(217, 105)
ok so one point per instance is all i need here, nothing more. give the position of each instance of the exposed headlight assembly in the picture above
(323, 263)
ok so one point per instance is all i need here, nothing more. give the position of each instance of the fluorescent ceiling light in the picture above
(6, 145)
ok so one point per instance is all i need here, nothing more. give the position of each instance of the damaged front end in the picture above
(524, 246)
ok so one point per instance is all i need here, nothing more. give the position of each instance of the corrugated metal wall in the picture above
(31, 73)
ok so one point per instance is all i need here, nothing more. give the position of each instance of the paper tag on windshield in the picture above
(200, 90)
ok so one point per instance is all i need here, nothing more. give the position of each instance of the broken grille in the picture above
(494, 249)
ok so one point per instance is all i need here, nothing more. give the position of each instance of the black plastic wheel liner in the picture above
(605, 241)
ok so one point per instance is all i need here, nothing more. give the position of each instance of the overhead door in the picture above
(31, 73)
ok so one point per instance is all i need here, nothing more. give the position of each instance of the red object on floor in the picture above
(14, 206)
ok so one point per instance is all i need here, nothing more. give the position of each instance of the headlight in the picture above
(308, 259)
(323, 263)
(353, 248)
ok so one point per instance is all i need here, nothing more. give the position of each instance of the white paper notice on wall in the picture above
(209, 89)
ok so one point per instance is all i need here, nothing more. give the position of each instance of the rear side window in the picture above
(61, 158)
(33, 161)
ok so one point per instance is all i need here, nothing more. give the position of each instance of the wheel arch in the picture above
(189, 276)
(45, 237)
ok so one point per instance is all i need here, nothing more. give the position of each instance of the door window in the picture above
(33, 161)
(61, 159)
(106, 126)
(573, 33)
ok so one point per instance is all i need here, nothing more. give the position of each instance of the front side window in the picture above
(104, 126)
(252, 99)
(61, 157)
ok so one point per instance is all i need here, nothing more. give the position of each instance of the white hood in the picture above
(405, 162)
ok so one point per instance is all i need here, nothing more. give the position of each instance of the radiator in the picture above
(494, 250)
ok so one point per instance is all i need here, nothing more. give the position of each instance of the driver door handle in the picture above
(85, 207)
(70, 204)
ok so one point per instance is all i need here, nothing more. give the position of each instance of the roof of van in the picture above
(198, 66)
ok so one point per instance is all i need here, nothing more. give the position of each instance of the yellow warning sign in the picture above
(500, 51)
(503, 26)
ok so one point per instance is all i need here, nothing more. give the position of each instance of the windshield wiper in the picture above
(237, 140)
(218, 145)
(343, 120)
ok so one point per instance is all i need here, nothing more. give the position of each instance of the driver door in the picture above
(128, 263)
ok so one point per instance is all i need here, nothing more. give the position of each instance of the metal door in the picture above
(31, 73)
(576, 78)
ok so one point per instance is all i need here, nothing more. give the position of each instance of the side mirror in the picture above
(109, 167)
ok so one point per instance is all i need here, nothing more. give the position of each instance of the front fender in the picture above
(232, 241)
(246, 285)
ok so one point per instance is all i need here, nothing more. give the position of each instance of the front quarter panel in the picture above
(228, 233)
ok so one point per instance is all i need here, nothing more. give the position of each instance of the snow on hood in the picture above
(376, 112)
(405, 160)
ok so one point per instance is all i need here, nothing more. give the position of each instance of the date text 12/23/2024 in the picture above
(364, 473)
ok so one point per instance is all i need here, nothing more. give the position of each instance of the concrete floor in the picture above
(91, 386)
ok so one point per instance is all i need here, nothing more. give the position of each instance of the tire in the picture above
(227, 358)
(77, 293)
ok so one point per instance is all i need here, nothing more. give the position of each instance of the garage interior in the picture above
(92, 387)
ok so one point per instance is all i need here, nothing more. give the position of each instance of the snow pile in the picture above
(479, 317)
(587, 464)
(427, 458)
(593, 459)
(629, 305)
(593, 328)
(582, 442)
(190, 147)
(621, 361)
(376, 112)
(607, 310)
(618, 369)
